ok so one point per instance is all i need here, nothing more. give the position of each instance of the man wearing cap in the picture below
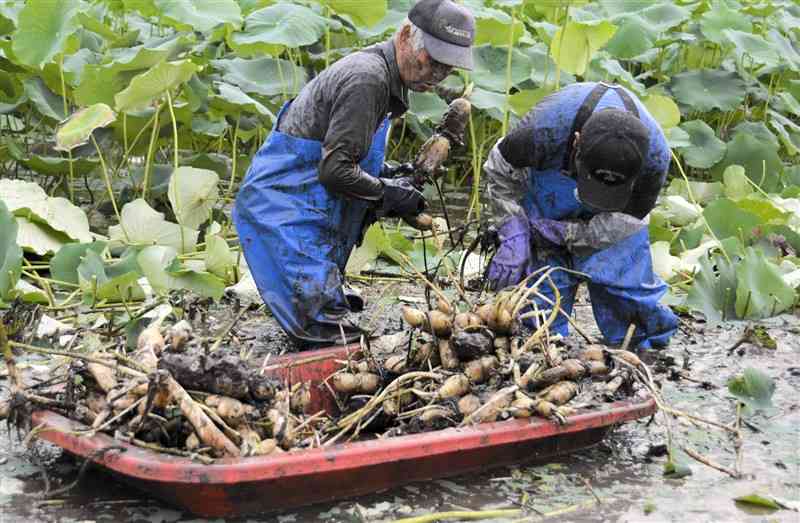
(316, 182)
(571, 187)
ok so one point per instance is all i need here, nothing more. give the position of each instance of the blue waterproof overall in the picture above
(297, 237)
(622, 285)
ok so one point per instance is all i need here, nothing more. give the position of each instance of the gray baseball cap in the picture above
(448, 31)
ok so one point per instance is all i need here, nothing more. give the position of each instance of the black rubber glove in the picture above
(401, 198)
(392, 171)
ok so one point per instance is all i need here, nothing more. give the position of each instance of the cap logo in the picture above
(455, 31)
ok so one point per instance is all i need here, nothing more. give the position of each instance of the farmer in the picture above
(315, 183)
(571, 186)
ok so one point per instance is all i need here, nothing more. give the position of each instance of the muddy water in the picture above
(624, 472)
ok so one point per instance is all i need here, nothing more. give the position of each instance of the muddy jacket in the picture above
(342, 108)
(538, 146)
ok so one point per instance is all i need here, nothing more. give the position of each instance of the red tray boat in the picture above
(233, 486)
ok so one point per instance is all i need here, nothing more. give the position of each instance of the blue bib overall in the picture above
(297, 237)
(622, 285)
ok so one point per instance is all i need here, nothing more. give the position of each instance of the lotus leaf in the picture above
(759, 159)
(707, 89)
(151, 85)
(56, 166)
(164, 273)
(630, 40)
(362, 13)
(38, 237)
(219, 258)
(788, 132)
(64, 265)
(762, 292)
(705, 149)
(752, 48)
(574, 44)
(232, 100)
(46, 102)
(727, 220)
(199, 15)
(43, 29)
(10, 253)
(713, 291)
(664, 110)
(141, 225)
(270, 29)
(736, 183)
(720, 18)
(490, 68)
(77, 130)
(115, 282)
(265, 76)
(193, 193)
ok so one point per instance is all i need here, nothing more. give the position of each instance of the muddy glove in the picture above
(401, 198)
(548, 234)
(512, 259)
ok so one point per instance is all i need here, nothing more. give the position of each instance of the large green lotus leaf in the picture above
(788, 132)
(151, 85)
(603, 68)
(495, 104)
(677, 137)
(38, 237)
(149, 54)
(10, 253)
(736, 183)
(494, 27)
(706, 149)
(762, 291)
(728, 220)
(95, 25)
(365, 14)
(99, 84)
(767, 211)
(718, 19)
(145, 226)
(790, 104)
(664, 110)
(27, 199)
(231, 101)
(270, 29)
(199, 15)
(702, 192)
(9, 15)
(73, 68)
(713, 291)
(707, 89)
(219, 258)
(490, 67)
(785, 48)
(193, 193)
(574, 44)
(204, 126)
(396, 13)
(631, 40)
(759, 159)
(265, 76)
(43, 29)
(114, 282)
(426, 106)
(523, 101)
(57, 166)
(542, 67)
(80, 126)
(162, 269)
(146, 8)
(757, 130)
(46, 102)
(752, 48)
(64, 265)
(219, 163)
(663, 16)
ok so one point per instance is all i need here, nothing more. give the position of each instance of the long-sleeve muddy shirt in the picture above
(343, 108)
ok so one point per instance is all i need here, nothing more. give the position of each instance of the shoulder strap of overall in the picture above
(587, 108)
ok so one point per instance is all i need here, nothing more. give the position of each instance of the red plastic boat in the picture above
(233, 487)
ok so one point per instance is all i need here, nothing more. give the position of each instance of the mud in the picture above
(624, 472)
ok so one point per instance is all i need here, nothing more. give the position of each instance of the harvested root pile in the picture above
(475, 366)
(174, 398)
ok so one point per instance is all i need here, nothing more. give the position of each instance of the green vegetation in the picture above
(127, 124)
